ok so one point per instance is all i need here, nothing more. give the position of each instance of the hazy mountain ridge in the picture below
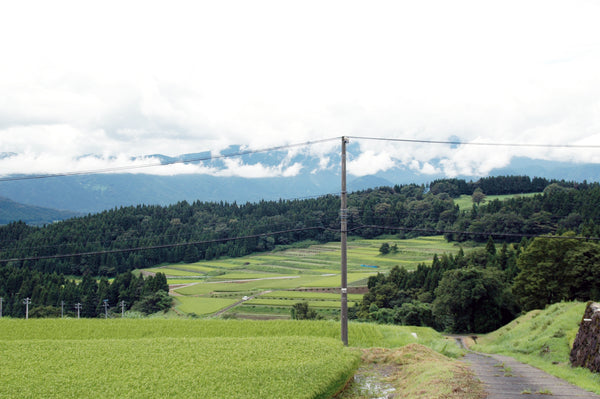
(33, 215)
(95, 193)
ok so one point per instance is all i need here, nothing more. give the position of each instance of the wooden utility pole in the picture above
(62, 309)
(122, 309)
(78, 307)
(344, 244)
(0, 306)
(105, 308)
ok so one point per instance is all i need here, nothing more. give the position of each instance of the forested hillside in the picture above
(120, 240)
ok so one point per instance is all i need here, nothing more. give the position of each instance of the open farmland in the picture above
(465, 202)
(281, 278)
(155, 358)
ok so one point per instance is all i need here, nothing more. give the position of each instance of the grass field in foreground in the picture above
(257, 367)
(544, 338)
(155, 358)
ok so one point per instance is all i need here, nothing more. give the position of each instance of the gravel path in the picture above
(504, 377)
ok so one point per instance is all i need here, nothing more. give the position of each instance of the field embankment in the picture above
(412, 371)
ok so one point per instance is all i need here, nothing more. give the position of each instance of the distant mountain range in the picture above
(35, 201)
(34, 215)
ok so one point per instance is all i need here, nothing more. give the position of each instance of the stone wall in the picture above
(586, 348)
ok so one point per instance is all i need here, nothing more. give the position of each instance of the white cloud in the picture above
(127, 79)
(369, 163)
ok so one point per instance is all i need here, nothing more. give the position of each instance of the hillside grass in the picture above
(543, 338)
(465, 202)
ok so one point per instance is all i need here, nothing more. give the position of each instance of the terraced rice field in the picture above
(316, 267)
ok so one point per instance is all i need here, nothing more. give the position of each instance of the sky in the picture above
(90, 85)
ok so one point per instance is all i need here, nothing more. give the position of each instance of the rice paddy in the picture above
(291, 275)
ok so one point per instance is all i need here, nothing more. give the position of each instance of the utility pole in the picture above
(122, 308)
(344, 245)
(105, 304)
(62, 309)
(27, 301)
(0, 306)
(78, 307)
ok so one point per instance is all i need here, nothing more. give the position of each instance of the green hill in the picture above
(11, 211)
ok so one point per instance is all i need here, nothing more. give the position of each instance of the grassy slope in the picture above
(465, 202)
(543, 338)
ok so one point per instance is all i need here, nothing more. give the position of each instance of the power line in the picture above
(185, 232)
(155, 164)
(145, 248)
(475, 233)
(488, 144)
(283, 147)
(239, 238)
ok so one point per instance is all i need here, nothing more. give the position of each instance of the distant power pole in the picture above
(344, 244)
(27, 301)
(122, 308)
(62, 309)
(78, 307)
(0, 306)
(105, 304)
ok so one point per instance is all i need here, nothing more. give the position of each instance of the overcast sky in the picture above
(127, 78)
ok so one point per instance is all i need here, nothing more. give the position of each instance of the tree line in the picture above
(487, 288)
(51, 294)
(411, 210)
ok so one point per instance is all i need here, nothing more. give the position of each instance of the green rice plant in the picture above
(201, 305)
(290, 302)
(309, 295)
(184, 280)
(173, 272)
(335, 281)
(245, 276)
(324, 258)
(283, 367)
(360, 334)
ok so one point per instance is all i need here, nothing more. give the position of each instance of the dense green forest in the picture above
(115, 242)
(487, 288)
(50, 293)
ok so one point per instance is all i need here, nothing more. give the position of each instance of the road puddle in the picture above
(369, 382)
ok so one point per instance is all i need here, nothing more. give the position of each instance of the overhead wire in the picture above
(277, 148)
(166, 163)
(150, 247)
(474, 143)
(476, 233)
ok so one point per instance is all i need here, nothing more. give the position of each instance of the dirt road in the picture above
(504, 378)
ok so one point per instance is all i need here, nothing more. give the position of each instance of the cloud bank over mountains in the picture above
(87, 87)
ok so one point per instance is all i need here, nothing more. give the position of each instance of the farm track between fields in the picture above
(504, 377)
